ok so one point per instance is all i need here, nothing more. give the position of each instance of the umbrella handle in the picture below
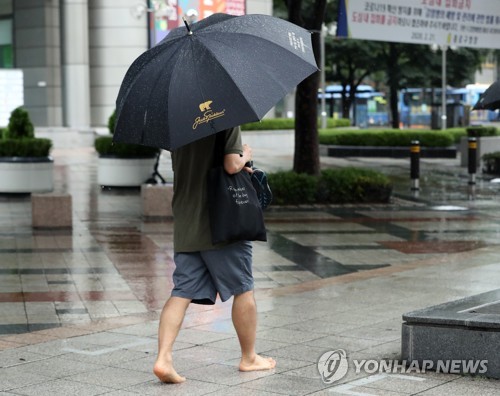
(187, 25)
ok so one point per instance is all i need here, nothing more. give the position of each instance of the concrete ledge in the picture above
(383, 151)
(465, 329)
(51, 210)
(485, 145)
(157, 200)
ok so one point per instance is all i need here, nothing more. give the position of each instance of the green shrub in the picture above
(105, 146)
(18, 139)
(20, 125)
(491, 162)
(353, 185)
(494, 155)
(478, 131)
(290, 188)
(333, 186)
(28, 147)
(338, 122)
(112, 122)
(269, 124)
(385, 137)
(457, 133)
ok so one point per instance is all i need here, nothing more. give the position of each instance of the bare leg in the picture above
(170, 323)
(244, 315)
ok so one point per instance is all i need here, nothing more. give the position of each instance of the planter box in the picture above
(26, 174)
(124, 172)
(485, 144)
(385, 151)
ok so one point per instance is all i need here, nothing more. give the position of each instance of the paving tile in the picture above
(200, 337)
(114, 358)
(431, 387)
(205, 354)
(188, 388)
(321, 327)
(57, 367)
(300, 352)
(112, 377)
(18, 356)
(349, 344)
(241, 391)
(15, 377)
(261, 345)
(378, 333)
(224, 374)
(62, 387)
(358, 390)
(287, 336)
(284, 384)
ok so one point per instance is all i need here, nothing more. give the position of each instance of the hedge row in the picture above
(333, 186)
(385, 137)
(27, 147)
(271, 124)
(104, 145)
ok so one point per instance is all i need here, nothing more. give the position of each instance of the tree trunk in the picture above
(306, 158)
(393, 101)
(393, 77)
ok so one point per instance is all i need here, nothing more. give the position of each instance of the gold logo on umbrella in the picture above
(205, 105)
(208, 114)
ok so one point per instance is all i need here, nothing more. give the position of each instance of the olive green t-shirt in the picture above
(191, 164)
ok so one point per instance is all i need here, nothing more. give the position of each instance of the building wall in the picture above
(117, 37)
(260, 7)
(74, 62)
(38, 54)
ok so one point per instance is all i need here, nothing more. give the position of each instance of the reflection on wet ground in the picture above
(112, 271)
(114, 262)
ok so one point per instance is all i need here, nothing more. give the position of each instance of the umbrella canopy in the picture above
(490, 99)
(218, 73)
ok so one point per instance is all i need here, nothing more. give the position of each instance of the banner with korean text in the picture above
(459, 23)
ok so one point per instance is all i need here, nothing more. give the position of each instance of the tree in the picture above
(404, 65)
(350, 62)
(417, 65)
(309, 14)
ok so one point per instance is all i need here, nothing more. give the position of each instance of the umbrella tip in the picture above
(187, 25)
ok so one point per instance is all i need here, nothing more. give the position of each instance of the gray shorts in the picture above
(199, 276)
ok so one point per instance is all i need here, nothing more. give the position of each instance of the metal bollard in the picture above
(415, 164)
(472, 160)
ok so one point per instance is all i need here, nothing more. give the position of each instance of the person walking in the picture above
(204, 270)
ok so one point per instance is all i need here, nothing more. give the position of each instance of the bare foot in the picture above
(258, 363)
(167, 374)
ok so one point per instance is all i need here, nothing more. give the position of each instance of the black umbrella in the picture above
(218, 73)
(489, 99)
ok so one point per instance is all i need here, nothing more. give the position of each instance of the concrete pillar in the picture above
(37, 53)
(75, 63)
(117, 37)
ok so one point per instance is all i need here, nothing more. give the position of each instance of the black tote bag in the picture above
(234, 208)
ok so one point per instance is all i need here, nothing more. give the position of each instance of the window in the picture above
(6, 42)
(6, 49)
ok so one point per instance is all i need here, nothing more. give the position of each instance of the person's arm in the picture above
(234, 163)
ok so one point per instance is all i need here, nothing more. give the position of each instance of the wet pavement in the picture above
(79, 308)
